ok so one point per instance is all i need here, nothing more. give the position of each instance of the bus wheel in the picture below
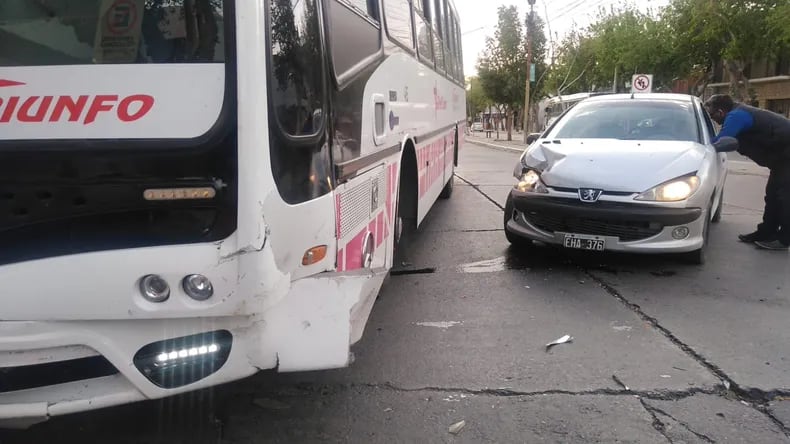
(447, 191)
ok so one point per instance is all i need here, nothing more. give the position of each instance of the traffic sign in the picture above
(642, 83)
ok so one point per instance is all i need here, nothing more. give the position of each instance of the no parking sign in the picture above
(642, 83)
(118, 31)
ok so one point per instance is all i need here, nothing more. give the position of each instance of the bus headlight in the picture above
(198, 287)
(154, 288)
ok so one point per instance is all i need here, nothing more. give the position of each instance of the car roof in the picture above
(671, 97)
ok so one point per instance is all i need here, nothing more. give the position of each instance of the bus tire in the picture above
(447, 191)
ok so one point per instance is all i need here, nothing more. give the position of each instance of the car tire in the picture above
(514, 239)
(717, 215)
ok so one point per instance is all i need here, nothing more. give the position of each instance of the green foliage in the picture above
(475, 96)
(502, 69)
(687, 39)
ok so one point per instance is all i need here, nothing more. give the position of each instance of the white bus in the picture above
(553, 107)
(194, 190)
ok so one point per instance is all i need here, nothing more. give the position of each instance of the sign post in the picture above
(642, 83)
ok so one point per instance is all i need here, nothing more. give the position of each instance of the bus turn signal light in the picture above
(314, 255)
(179, 193)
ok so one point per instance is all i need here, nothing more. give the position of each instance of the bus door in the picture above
(362, 148)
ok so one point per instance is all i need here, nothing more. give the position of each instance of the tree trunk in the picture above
(739, 84)
(498, 121)
(509, 124)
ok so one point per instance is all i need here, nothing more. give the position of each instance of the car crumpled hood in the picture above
(612, 164)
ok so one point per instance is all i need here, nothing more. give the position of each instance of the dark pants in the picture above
(776, 217)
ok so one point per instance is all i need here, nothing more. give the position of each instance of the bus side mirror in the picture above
(726, 144)
(533, 137)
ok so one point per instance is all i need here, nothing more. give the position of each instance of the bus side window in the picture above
(423, 29)
(397, 15)
(354, 33)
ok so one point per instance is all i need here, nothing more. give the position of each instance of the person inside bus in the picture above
(764, 137)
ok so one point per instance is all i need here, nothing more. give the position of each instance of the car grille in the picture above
(627, 231)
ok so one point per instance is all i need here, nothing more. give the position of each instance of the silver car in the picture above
(630, 173)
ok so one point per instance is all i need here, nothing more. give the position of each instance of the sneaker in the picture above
(772, 245)
(755, 236)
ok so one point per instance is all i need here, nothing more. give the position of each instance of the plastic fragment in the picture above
(457, 427)
(563, 340)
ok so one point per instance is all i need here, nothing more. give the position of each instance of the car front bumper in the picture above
(625, 227)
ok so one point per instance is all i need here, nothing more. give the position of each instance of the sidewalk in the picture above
(516, 145)
(737, 164)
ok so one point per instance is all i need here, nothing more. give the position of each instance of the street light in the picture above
(529, 68)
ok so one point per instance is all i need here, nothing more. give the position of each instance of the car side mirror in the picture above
(533, 137)
(726, 144)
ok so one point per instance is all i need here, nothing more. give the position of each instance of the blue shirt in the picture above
(736, 122)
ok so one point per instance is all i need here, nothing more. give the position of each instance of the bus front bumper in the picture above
(127, 350)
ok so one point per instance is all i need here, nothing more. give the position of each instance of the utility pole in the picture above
(530, 22)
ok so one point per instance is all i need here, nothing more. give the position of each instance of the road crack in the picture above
(657, 423)
(754, 397)
(655, 411)
(655, 395)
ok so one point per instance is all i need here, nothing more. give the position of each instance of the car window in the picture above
(630, 120)
(709, 124)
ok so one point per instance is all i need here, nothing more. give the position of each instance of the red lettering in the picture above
(99, 105)
(9, 110)
(74, 108)
(146, 103)
(24, 112)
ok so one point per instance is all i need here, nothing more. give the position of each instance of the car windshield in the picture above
(630, 120)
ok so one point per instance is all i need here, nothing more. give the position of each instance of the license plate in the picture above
(580, 242)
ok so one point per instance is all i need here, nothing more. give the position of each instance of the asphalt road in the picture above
(661, 351)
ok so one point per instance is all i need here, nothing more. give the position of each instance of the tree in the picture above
(778, 21)
(502, 68)
(730, 32)
(571, 71)
(478, 101)
(619, 43)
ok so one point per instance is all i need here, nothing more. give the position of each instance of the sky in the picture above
(479, 17)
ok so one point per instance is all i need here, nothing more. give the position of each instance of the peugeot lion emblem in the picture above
(589, 194)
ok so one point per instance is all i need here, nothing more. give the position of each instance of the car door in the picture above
(710, 131)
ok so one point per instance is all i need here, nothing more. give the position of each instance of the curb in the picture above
(495, 146)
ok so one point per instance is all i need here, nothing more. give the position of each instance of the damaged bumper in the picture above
(77, 343)
(623, 226)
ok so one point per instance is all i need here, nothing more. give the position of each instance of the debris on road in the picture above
(487, 266)
(621, 383)
(563, 340)
(666, 376)
(388, 409)
(444, 325)
(270, 404)
(457, 427)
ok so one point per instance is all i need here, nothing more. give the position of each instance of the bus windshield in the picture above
(80, 32)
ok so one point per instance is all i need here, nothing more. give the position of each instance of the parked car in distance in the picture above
(477, 126)
(628, 173)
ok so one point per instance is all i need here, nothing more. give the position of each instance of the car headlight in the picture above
(673, 191)
(530, 182)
